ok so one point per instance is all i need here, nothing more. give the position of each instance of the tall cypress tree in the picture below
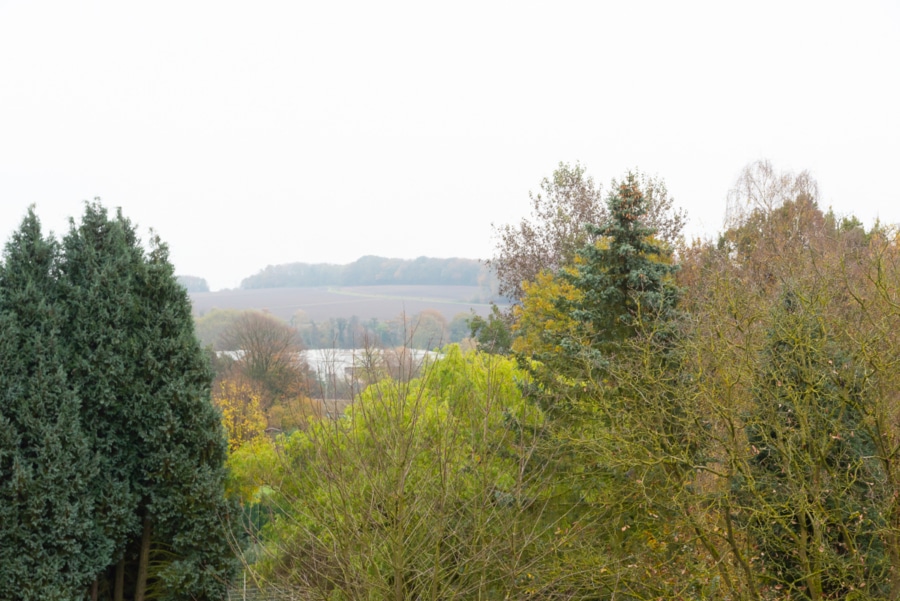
(99, 273)
(184, 444)
(145, 384)
(50, 544)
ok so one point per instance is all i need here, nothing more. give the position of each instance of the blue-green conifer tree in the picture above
(51, 545)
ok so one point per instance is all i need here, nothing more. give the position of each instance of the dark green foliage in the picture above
(814, 477)
(99, 276)
(105, 420)
(182, 443)
(493, 334)
(50, 545)
(146, 382)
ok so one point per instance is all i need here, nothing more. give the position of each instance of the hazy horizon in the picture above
(254, 135)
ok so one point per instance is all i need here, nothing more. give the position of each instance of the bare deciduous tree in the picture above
(269, 354)
(761, 188)
(553, 233)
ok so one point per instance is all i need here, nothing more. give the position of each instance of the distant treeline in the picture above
(428, 330)
(193, 283)
(371, 271)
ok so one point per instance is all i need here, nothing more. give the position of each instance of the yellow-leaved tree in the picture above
(540, 321)
(242, 413)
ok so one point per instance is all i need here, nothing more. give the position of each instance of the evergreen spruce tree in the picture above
(626, 277)
(50, 544)
(620, 283)
(625, 431)
(622, 279)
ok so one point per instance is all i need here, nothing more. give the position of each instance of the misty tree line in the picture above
(427, 330)
(373, 271)
(366, 271)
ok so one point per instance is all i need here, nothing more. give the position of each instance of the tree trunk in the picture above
(95, 589)
(140, 588)
(119, 590)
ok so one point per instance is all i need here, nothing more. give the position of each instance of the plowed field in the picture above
(381, 302)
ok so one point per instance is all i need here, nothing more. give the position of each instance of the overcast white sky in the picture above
(259, 133)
